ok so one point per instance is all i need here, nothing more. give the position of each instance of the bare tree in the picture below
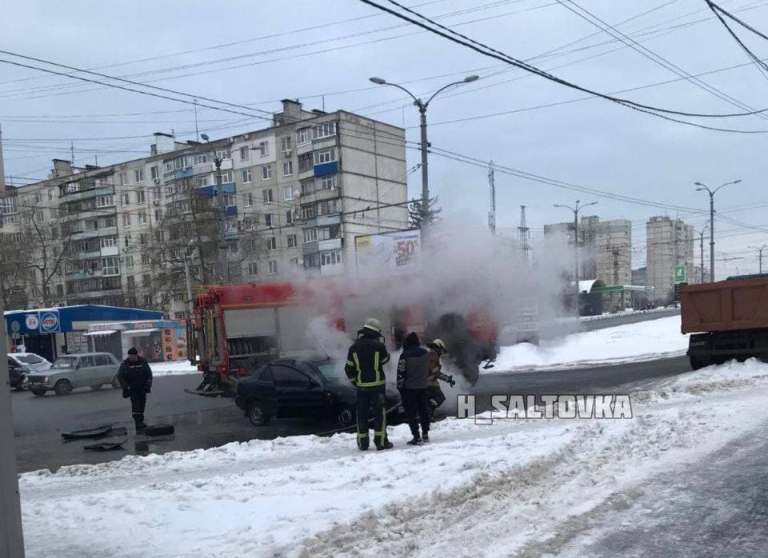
(15, 261)
(50, 245)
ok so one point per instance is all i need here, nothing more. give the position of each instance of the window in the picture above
(253, 268)
(125, 198)
(155, 172)
(307, 187)
(138, 175)
(86, 362)
(310, 235)
(169, 191)
(123, 178)
(226, 177)
(289, 217)
(326, 207)
(266, 172)
(103, 360)
(140, 197)
(200, 159)
(272, 266)
(109, 266)
(146, 280)
(108, 242)
(131, 282)
(285, 143)
(325, 156)
(263, 147)
(291, 239)
(221, 154)
(126, 219)
(325, 130)
(249, 199)
(303, 136)
(158, 215)
(286, 376)
(245, 153)
(287, 168)
(148, 300)
(269, 220)
(105, 201)
(145, 259)
(330, 258)
(328, 182)
(143, 238)
(129, 262)
(305, 162)
(50, 194)
(308, 212)
(246, 175)
(272, 243)
(268, 196)
(178, 163)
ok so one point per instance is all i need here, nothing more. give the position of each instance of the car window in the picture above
(265, 375)
(103, 360)
(284, 375)
(65, 362)
(86, 362)
(29, 359)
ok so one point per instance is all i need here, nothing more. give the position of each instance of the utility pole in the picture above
(197, 132)
(524, 233)
(701, 251)
(2, 165)
(576, 208)
(11, 535)
(422, 106)
(492, 185)
(704, 188)
(760, 256)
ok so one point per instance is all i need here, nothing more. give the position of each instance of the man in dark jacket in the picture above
(135, 378)
(365, 361)
(413, 381)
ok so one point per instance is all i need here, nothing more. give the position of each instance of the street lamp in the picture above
(422, 106)
(576, 210)
(704, 188)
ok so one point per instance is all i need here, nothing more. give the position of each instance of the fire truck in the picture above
(237, 328)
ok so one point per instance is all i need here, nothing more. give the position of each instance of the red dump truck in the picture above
(727, 319)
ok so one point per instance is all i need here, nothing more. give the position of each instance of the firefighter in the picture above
(135, 378)
(413, 381)
(435, 395)
(365, 368)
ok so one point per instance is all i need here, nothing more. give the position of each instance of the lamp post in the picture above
(422, 106)
(576, 208)
(704, 188)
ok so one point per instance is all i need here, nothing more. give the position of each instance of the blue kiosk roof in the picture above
(62, 318)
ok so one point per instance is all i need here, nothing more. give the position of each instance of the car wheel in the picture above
(96, 387)
(38, 392)
(63, 387)
(345, 416)
(258, 413)
(116, 383)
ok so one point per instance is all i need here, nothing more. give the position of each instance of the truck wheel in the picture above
(258, 414)
(63, 387)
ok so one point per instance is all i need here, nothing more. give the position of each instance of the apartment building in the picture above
(285, 200)
(670, 243)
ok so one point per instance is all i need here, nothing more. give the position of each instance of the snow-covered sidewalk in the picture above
(476, 489)
(632, 342)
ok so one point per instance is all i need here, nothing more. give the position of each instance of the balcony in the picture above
(105, 231)
(325, 220)
(211, 191)
(183, 173)
(324, 169)
(330, 244)
(87, 194)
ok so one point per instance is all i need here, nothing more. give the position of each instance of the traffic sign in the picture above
(681, 274)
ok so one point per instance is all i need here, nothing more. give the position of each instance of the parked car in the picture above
(70, 372)
(29, 362)
(16, 375)
(298, 388)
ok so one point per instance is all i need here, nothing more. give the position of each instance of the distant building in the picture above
(670, 244)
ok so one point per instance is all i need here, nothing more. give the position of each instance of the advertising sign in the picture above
(49, 322)
(391, 251)
(32, 322)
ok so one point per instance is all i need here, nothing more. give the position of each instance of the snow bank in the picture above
(639, 341)
(177, 368)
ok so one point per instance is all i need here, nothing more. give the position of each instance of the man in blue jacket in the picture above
(135, 377)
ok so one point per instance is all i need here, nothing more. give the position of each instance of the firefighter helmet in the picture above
(439, 345)
(373, 324)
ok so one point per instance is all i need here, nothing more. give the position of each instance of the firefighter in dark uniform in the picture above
(135, 378)
(413, 381)
(365, 368)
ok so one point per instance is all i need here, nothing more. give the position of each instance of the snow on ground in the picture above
(176, 368)
(639, 341)
(498, 489)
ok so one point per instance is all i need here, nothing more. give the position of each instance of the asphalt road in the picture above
(206, 422)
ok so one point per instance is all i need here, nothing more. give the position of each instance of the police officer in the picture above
(135, 378)
(365, 362)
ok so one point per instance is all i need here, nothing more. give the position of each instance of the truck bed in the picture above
(734, 304)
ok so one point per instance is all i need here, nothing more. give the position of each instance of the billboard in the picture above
(395, 251)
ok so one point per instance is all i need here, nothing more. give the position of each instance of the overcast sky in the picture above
(326, 51)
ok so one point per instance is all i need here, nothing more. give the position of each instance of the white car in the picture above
(30, 362)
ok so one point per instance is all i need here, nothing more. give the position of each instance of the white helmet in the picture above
(373, 324)
(438, 343)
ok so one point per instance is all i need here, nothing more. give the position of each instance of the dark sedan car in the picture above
(301, 389)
